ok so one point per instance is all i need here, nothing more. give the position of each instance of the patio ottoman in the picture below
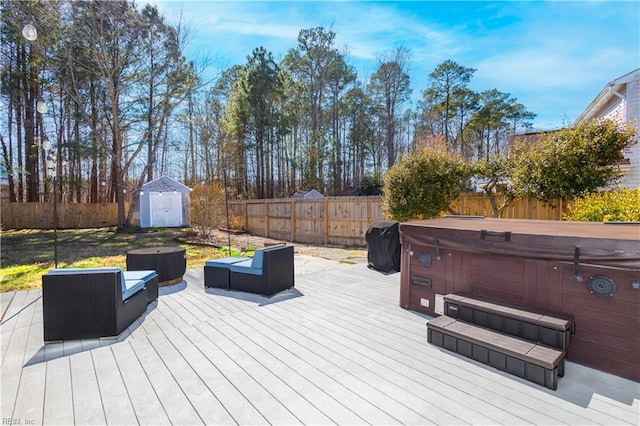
(169, 262)
(216, 271)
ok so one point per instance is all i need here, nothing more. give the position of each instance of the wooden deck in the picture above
(335, 350)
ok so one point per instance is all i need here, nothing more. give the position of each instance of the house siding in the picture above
(625, 110)
(145, 212)
(616, 111)
(632, 98)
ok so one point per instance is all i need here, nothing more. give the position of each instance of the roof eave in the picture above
(605, 95)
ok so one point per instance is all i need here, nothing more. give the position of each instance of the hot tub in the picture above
(589, 270)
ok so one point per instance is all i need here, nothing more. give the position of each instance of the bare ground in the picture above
(245, 241)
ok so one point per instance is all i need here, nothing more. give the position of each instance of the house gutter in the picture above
(620, 95)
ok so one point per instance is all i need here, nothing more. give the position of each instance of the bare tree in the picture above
(390, 88)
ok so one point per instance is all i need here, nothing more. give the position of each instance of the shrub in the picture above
(236, 222)
(423, 184)
(208, 210)
(369, 185)
(618, 205)
(572, 162)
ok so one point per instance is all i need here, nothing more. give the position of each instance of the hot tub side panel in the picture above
(607, 328)
(425, 276)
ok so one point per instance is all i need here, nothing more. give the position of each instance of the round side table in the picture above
(170, 263)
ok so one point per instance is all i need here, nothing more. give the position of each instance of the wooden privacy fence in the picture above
(345, 220)
(332, 220)
(475, 204)
(70, 215)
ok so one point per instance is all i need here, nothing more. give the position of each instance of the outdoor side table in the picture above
(170, 263)
(216, 272)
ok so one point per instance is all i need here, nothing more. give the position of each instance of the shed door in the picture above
(166, 209)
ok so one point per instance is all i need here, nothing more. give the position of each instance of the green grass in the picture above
(27, 254)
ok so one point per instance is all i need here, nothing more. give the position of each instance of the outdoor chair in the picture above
(270, 271)
(89, 303)
(216, 271)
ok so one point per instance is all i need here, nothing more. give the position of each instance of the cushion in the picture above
(139, 275)
(256, 262)
(226, 261)
(258, 256)
(131, 287)
(245, 268)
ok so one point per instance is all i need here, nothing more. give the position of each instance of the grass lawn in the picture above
(28, 253)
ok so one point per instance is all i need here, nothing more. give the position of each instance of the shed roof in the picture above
(165, 183)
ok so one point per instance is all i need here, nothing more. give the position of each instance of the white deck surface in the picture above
(337, 349)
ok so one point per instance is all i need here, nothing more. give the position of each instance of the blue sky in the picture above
(554, 57)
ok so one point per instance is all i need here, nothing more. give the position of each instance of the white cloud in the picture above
(371, 29)
(556, 86)
(553, 56)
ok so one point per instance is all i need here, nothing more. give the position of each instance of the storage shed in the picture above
(164, 202)
(307, 195)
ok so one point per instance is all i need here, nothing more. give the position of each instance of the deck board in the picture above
(177, 406)
(337, 349)
(326, 382)
(143, 397)
(287, 381)
(385, 340)
(85, 391)
(364, 384)
(115, 397)
(58, 399)
(415, 369)
(390, 373)
(296, 410)
(204, 356)
(5, 300)
(199, 395)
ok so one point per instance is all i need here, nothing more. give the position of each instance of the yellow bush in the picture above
(621, 205)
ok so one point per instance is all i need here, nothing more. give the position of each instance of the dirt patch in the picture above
(243, 242)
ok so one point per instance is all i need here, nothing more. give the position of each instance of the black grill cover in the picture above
(383, 244)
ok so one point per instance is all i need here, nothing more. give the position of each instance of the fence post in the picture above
(266, 218)
(292, 223)
(246, 216)
(326, 220)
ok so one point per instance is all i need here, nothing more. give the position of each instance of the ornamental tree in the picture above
(423, 184)
(571, 162)
(496, 172)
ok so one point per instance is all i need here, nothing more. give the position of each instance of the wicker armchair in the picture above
(270, 271)
(92, 302)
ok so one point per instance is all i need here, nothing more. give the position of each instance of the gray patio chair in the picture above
(270, 271)
(93, 302)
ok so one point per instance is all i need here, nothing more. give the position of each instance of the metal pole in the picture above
(226, 206)
(55, 223)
